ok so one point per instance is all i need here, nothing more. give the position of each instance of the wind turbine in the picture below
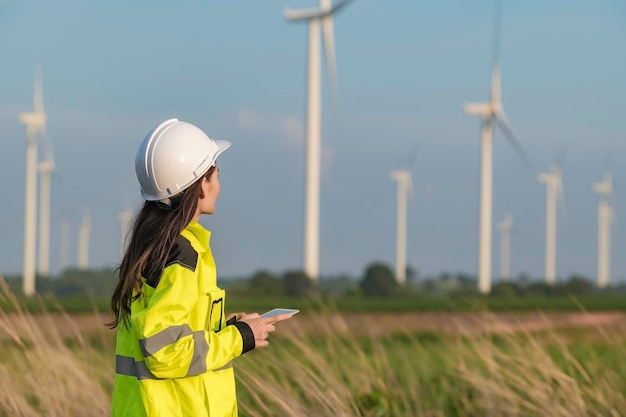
(64, 252)
(491, 113)
(46, 168)
(125, 217)
(84, 232)
(554, 190)
(505, 228)
(405, 184)
(315, 17)
(605, 218)
(35, 125)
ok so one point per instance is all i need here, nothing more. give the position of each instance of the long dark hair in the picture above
(154, 231)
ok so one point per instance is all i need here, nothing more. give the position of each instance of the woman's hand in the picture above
(262, 327)
(236, 316)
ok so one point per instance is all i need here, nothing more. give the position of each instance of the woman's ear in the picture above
(204, 180)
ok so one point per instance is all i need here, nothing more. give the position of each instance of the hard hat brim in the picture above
(222, 145)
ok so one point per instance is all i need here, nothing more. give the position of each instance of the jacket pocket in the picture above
(216, 319)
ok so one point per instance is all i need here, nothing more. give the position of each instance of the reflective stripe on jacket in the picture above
(175, 358)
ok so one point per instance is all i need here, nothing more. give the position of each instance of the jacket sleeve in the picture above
(169, 345)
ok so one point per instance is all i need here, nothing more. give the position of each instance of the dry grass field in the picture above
(353, 364)
(365, 324)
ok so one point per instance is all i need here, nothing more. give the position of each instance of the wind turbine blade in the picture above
(495, 56)
(307, 14)
(38, 93)
(557, 182)
(48, 151)
(304, 14)
(495, 93)
(477, 108)
(338, 6)
(411, 157)
(87, 219)
(506, 224)
(328, 33)
(512, 138)
(559, 190)
(329, 46)
(411, 187)
(560, 158)
(40, 126)
(497, 19)
(608, 179)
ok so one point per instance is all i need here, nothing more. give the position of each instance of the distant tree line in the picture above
(377, 280)
(72, 283)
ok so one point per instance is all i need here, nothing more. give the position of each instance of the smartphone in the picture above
(277, 311)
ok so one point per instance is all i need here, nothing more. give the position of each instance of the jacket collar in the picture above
(197, 235)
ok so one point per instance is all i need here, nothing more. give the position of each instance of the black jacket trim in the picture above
(247, 335)
(183, 254)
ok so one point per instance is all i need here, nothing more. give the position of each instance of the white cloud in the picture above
(289, 129)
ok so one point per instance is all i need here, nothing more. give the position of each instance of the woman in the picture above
(174, 345)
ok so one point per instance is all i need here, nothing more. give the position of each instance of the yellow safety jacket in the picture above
(175, 357)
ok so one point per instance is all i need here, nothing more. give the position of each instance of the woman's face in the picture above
(210, 191)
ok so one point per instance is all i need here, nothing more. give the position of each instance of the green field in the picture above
(87, 291)
(334, 363)
(251, 303)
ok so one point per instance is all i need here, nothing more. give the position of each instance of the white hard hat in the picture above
(172, 157)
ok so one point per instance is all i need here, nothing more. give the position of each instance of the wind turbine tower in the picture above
(404, 184)
(125, 217)
(64, 251)
(315, 18)
(46, 168)
(491, 113)
(35, 125)
(554, 189)
(605, 219)
(84, 232)
(505, 228)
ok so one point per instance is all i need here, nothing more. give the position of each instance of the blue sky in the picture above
(112, 70)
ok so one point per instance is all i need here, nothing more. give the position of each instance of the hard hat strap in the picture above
(167, 203)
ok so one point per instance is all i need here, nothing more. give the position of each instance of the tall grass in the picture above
(473, 372)
(54, 364)
(51, 367)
